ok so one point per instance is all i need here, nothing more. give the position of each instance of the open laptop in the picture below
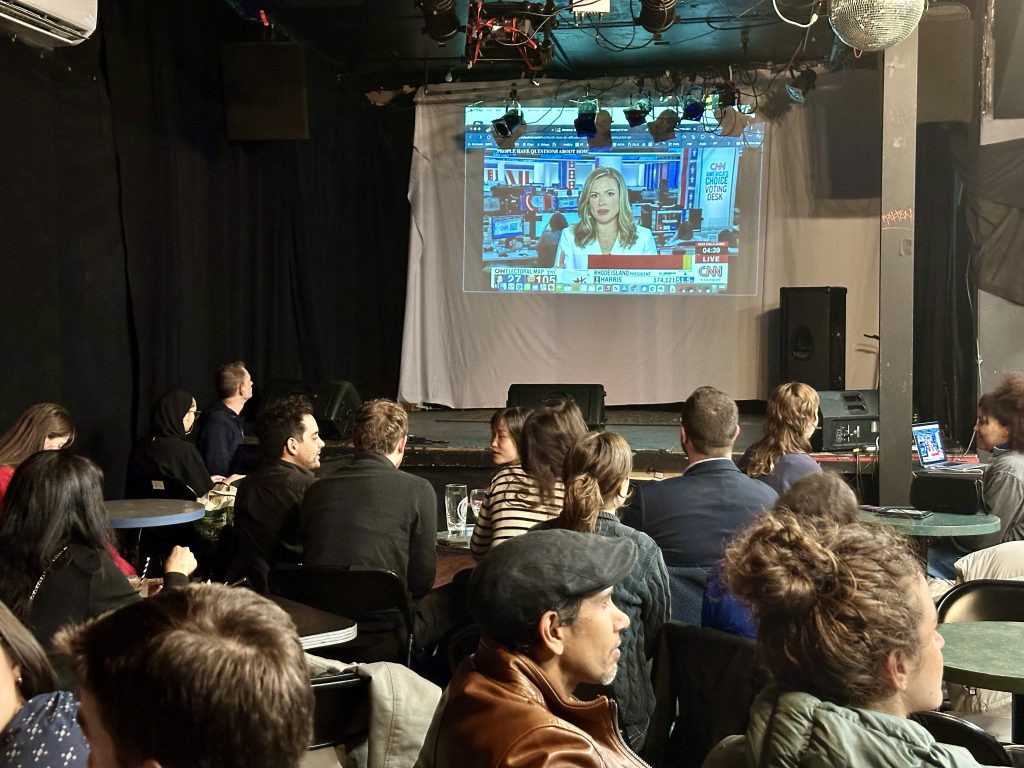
(932, 453)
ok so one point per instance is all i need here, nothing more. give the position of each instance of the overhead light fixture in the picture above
(440, 21)
(585, 123)
(693, 110)
(603, 130)
(874, 25)
(802, 85)
(510, 126)
(664, 126)
(637, 114)
(657, 15)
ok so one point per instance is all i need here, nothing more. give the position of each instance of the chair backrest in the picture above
(687, 584)
(341, 708)
(704, 684)
(949, 729)
(376, 599)
(983, 600)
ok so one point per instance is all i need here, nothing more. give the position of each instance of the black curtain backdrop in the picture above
(143, 249)
(944, 347)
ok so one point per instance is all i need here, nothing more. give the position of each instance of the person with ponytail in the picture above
(847, 627)
(596, 471)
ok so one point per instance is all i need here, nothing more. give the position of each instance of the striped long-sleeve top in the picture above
(513, 506)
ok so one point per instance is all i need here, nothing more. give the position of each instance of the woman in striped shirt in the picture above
(520, 496)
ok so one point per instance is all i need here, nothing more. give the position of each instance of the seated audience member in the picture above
(548, 624)
(201, 676)
(166, 453)
(821, 495)
(267, 521)
(1000, 429)
(781, 457)
(519, 497)
(596, 473)
(55, 568)
(41, 427)
(220, 430)
(506, 434)
(371, 513)
(37, 722)
(692, 516)
(848, 630)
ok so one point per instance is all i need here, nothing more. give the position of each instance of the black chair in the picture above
(157, 487)
(949, 729)
(983, 600)
(341, 708)
(375, 599)
(704, 684)
(687, 584)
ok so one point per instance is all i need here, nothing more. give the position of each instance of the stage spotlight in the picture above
(507, 123)
(586, 121)
(657, 15)
(637, 114)
(802, 84)
(664, 126)
(693, 110)
(508, 141)
(603, 130)
(440, 21)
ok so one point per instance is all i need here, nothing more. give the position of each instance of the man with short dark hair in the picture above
(543, 601)
(199, 676)
(220, 431)
(267, 522)
(371, 513)
(692, 516)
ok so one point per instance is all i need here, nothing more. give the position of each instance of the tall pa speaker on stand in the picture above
(813, 336)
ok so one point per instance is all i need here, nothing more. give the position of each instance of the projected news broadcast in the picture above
(552, 215)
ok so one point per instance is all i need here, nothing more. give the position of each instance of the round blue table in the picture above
(151, 513)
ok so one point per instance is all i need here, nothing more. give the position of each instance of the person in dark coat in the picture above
(167, 452)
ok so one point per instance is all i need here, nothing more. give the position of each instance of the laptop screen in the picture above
(928, 438)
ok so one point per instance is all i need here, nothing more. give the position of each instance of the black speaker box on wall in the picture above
(589, 397)
(813, 336)
(264, 91)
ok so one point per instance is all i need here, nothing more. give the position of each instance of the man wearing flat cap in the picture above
(543, 601)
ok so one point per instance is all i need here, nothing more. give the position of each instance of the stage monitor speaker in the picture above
(813, 336)
(335, 407)
(589, 397)
(848, 420)
(264, 91)
(954, 493)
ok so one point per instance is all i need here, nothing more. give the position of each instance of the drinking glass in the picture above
(455, 504)
(476, 501)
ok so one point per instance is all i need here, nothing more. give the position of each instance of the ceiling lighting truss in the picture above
(496, 32)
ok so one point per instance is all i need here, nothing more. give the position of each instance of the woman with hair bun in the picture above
(596, 472)
(781, 458)
(847, 628)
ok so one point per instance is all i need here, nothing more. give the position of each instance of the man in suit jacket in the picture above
(371, 513)
(692, 516)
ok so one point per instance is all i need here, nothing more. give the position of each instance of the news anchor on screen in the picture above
(606, 223)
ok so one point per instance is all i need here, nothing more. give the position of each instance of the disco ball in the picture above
(873, 25)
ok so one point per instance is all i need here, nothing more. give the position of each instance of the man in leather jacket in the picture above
(543, 601)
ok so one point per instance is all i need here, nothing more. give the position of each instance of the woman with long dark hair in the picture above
(596, 472)
(55, 568)
(520, 496)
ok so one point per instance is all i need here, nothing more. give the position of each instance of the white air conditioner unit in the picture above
(49, 23)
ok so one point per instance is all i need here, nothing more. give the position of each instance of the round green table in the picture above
(938, 524)
(987, 654)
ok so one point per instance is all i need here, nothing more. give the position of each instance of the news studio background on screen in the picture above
(688, 191)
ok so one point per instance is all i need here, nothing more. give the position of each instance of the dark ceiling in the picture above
(382, 41)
